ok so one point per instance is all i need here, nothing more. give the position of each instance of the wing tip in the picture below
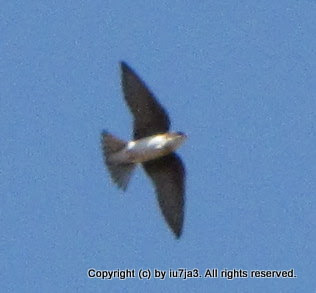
(124, 65)
(104, 132)
(177, 234)
(176, 228)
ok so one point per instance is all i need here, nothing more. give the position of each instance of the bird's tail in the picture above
(120, 172)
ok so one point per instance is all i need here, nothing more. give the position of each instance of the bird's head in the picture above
(175, 139)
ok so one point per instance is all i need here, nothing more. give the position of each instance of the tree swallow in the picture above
(153, 147)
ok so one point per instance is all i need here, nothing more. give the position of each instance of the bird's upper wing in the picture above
(149, 116)
(168, 175)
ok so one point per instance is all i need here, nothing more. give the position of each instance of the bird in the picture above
(153, 147)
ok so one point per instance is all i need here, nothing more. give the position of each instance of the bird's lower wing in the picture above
(168, 175)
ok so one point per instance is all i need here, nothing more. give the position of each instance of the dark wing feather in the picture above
(168, 175)
(149, 116)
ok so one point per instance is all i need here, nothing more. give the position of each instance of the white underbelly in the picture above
(139, 155)
(143, 150)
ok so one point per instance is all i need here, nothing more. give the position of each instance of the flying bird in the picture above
(152, 146)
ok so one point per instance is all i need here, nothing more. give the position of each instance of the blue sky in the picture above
(237, 77)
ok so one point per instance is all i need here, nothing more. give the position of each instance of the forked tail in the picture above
(120, 173)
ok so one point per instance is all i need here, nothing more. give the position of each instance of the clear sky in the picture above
(238, 77)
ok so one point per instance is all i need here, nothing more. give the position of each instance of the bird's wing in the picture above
(149, 116)
(168, 175)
